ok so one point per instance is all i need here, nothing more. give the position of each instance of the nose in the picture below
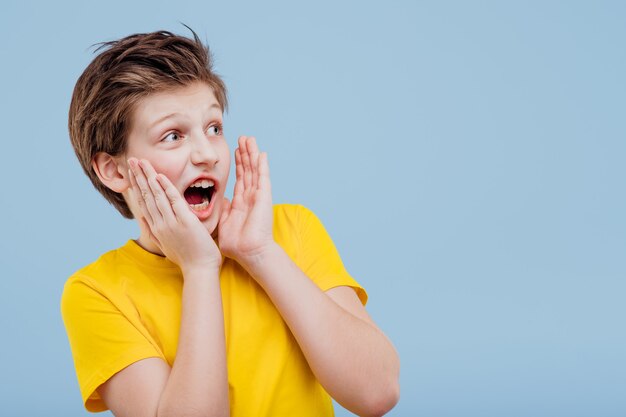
(203, 151)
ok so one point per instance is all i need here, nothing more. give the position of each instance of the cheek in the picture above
(168, 164)
(225, 157)
(170, 168)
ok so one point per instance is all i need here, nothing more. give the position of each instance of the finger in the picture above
(225, 210)
(238, 190)
(161, 200)
(253, 151)
(223, 217)
(245, 158)
(264, 173)
(146, 191)
(176, 201)
(133, 184)
(132, 172)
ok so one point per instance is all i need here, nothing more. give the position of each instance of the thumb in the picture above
(225, 210)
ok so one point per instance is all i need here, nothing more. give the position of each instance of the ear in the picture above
(112, 171)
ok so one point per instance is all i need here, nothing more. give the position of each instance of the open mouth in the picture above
(199, 194)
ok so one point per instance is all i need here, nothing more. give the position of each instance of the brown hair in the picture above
(126, 71)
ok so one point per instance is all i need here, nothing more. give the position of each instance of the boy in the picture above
(219, 308)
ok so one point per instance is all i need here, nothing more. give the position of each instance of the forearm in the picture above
(198, 381)
(350, 357)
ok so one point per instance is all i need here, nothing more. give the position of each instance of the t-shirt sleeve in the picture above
(318, 257)
(102, 339)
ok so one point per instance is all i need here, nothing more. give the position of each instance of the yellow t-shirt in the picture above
(126, 306)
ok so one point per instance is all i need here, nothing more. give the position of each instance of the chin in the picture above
(209, 216)
(211, 224)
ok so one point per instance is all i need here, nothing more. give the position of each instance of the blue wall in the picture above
(466, 157)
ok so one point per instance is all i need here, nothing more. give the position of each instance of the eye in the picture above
(171, 137)
(214, 130)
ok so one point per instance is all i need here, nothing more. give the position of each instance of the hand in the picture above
(245, 227)
(172, 225)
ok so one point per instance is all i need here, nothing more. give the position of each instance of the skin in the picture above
(349, 355)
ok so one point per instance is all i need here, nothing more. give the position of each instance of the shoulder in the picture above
(293, 215)
(94, 280)
(96, 269)
(91, 271)
(84, 285)
(293, 219)
(289, 210)
(290, 225)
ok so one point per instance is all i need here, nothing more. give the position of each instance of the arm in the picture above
(151, 388)
(197, 383)
(349, 355)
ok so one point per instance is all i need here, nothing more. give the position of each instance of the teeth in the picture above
(201, 206)
(203, 184)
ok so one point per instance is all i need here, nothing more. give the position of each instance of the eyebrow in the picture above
(168, 116)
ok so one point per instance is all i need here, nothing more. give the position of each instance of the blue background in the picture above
(466, 157)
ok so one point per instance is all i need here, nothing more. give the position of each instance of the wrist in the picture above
(255, 262)
(201, 270)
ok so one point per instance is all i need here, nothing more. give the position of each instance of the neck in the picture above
(146, 243)
(144, 239)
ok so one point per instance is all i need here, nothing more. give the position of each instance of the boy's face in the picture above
(180, 133)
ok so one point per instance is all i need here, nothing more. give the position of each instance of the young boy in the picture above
(220, 307)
